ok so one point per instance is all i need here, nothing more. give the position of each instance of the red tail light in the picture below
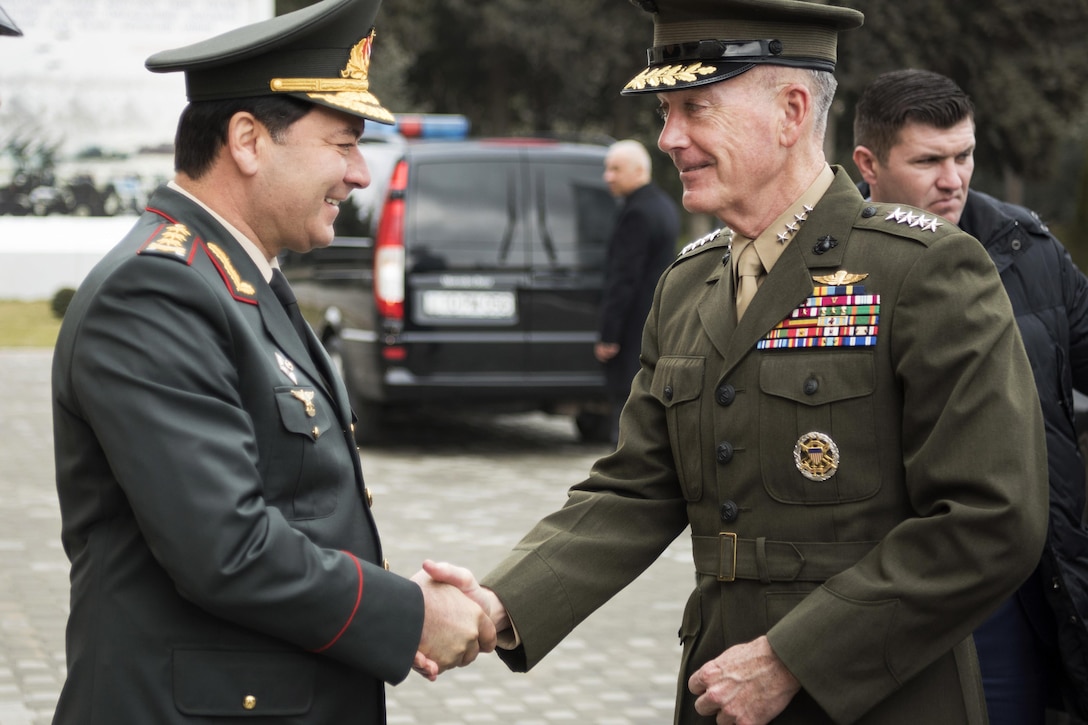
(389, 249)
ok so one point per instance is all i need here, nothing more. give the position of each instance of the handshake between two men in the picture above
(462, 619)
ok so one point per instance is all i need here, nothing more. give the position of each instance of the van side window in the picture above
(574, 215)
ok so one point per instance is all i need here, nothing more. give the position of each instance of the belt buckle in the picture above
(722, 537)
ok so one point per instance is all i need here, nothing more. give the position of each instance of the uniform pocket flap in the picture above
(818, 378)
(240, 684)
(302, 412)
(678, 380)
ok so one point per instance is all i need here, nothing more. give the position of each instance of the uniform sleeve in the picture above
(975, 469)
(156, 369)
(576, 559)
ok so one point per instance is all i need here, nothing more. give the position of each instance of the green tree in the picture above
(1023, 65)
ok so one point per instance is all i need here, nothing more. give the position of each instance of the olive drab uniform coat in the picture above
(865, 503)
(225, 563)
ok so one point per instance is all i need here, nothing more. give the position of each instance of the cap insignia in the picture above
(350, 91)
(227, 268)
(816, 456)
(354, 76)
(669, 75)
(908, 217)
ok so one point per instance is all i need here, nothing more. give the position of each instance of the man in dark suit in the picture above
(225, 561)
(914, 132)
(824, 399)
(642, 245)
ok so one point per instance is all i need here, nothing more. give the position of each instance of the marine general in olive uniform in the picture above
(829, 417)
(225, 561)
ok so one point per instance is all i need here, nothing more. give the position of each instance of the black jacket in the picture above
(642, 246)
(1049, 295)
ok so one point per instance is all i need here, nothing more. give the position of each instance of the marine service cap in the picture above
(320, 54)
(697, 42)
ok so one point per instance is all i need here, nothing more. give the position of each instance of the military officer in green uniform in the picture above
(225, 561)
(824, 397)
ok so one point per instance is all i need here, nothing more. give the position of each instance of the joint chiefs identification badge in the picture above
(816, 456)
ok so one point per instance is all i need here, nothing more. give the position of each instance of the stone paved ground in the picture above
(459, 490)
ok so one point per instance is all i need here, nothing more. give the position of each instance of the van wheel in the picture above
(593, 427)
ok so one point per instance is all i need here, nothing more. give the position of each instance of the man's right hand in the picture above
(455, 628)
(464, 580)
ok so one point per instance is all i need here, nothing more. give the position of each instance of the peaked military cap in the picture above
(320, 54)
(7, 25)
(697, 42)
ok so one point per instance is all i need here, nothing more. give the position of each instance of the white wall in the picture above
(77, 75)
(40, 255)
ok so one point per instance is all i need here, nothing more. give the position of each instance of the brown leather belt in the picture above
(728, 558)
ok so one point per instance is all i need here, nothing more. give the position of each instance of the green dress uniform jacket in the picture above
(864, 503)
(225, 562)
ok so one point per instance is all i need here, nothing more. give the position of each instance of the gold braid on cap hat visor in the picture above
(354, 76)
(669, 75)
(350, 91)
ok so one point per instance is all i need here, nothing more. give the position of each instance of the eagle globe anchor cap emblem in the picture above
(816, 456)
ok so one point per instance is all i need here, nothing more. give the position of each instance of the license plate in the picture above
(469, 304)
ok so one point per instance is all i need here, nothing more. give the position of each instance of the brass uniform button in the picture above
(385, 564)
(249, 702)
(369, 499)
(316, 432)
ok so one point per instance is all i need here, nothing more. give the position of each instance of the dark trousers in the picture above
(1019, 669)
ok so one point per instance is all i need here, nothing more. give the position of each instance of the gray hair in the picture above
(635, 151)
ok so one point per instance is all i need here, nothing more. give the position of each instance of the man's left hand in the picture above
(605, 351)
(746, 685)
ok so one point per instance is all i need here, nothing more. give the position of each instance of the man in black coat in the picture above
(642, 246)
(225, 559)
(915, 136)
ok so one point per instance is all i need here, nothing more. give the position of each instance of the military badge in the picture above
(171, 240)
(816, 456)
(240, 289)
(691, 246)
(908, 217)
(286, 367)
(838, 314)
(840, 277)
(306, 397)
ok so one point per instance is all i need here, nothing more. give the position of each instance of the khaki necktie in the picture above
(749, 270)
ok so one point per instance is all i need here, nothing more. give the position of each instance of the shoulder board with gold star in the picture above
(240, 289)
(174, 241)
(715, 239)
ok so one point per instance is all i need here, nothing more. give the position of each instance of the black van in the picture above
(467, 276)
